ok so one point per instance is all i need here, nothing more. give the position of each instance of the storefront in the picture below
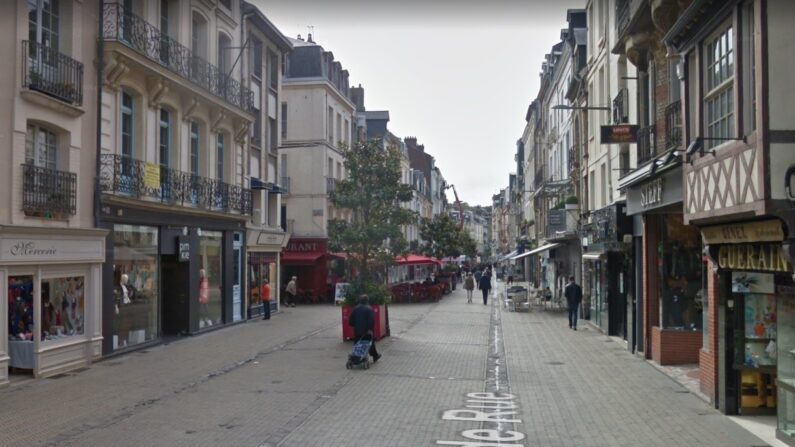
(671, 281)
(606, 261)
(263, 267)
(169, 274)
(756, 296)
(51, 296)
(307, 260)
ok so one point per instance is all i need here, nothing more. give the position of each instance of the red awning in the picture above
(416, 260)
(339, 255)
(292, 257)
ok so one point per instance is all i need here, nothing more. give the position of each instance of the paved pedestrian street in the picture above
(452, 374)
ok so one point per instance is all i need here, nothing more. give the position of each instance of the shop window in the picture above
(210, 278)
(680, 271)
(262, 282)
(786, 364)
(62, 307)
(20, 322)
(135, 285)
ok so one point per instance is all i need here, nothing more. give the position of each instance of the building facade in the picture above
(320, 120)
(51, 253)
(173, 184)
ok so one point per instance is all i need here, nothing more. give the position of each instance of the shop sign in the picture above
(651, 193)
(152, 175)
(51, 250)
(762, 257)
(184, 249)
(339, 292)
(765, 231)
(750, 282)
(619, 133)
(306, 246)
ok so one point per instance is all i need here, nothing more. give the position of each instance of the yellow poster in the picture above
(152, 175)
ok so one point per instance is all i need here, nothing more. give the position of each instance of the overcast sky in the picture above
(456, 74)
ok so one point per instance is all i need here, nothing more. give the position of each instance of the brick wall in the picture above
(708, 357)
(673, 347)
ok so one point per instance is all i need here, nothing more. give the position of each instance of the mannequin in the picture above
(204, 299)
(126, 290)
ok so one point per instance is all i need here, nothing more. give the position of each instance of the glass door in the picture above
(237, 301)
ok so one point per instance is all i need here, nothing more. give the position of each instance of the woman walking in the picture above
(469, 285)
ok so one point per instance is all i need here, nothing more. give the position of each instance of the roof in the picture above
(377, 114)
(267, 27)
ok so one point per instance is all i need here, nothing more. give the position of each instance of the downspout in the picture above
(100, 69)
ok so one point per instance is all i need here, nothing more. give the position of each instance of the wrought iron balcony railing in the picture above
(647, 147)
(50, 72)
(47, 192)
(128, 177)
(673, 125)
(121, 25)
(621, 107)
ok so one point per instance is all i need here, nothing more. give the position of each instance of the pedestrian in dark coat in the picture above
(478, 275)
(485, 286)
(573, 294)
(362, 319)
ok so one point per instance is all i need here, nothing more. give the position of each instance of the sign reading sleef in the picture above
(619, 133)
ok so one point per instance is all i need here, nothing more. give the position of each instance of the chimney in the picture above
(411, 142)
(421, 147)
(309, 38)
(300, 38)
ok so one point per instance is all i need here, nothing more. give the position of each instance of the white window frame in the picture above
(718, 104)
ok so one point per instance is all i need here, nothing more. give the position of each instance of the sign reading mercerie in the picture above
(619, 133)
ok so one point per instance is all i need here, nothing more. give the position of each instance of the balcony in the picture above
(48, 193)
(673, 125)
(647, 147)
(52, 73)
(285, 184)
(121, 25)
(126, 177)
(331, 184)
(621, 107)
(562, 223)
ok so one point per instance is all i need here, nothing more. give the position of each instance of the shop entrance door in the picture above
(175, 290)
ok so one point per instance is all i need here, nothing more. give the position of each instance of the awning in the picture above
(508, 256)
(416, 260)
(538, 250)
(592, 256)
(305, 258)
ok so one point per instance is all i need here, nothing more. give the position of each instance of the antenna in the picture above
(311, 30)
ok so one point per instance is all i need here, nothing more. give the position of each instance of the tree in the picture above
(374, 193)
(440, 237)
(468, 245)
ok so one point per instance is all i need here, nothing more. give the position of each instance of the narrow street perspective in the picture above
(285, 384)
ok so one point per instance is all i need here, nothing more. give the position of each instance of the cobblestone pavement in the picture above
(283, 383)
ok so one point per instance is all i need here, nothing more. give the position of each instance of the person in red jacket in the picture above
(266, 300)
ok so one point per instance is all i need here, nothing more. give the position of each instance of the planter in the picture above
(381, 329)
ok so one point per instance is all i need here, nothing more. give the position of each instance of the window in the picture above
(219, 157)
(62, 311)
(224, 64)
(194, 148)
(273, 70)
(164, 40)
(127, 125)
(273, 136)
(40, 147)
(339, 128)
(226, 4)
(330, 125)
(256, 57)
(719, 87)
(603, 173)
(44, 23)
(283, 116)
(135, 285)
(165, 137)
(749, 69)
(210, 278)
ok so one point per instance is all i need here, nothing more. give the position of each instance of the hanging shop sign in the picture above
(619, 133)
(183, 245)
(765, 231)
(761, 257)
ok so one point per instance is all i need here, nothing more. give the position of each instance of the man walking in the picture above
(362, 320)
(485, 286)
(290, 292)
(469, 285)
(573, 294)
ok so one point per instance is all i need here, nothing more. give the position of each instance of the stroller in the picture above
(361, 353)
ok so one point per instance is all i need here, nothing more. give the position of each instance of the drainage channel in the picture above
(496, 409)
